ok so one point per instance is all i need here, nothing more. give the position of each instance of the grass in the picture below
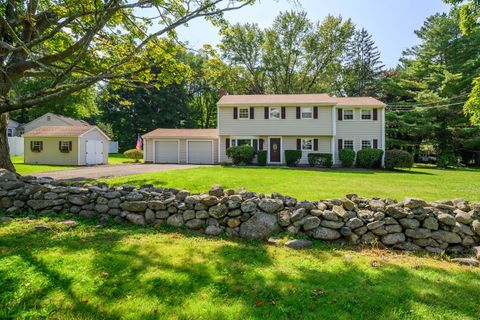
(423, 182)
(25, 169)
(129, 272)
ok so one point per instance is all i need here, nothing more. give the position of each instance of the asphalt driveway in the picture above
(110, 171)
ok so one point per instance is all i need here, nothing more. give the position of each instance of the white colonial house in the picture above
(275, 123)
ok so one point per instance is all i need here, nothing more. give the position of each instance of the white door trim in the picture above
(200, 140)
(281, 149)
(167, 140)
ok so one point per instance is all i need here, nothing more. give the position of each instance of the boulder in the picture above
(218, 211)
(175, 220)
(419, 233)
(339, 211)
(393, 228)
(446, 218)
(248, 206)
(354, 223)
(40, 204)
(395, 211)
(150, 216)
(136, 218)
(195, 224)
(463, 217)
(393, 238)
(311, 223)
(156, 205)
(430, 223)
(134, 206)
(233, 222)
(348, 204)
(216, 191)
(409, 223)
(476, 252)
(299, 244)
(284, 218)
(78, 200)
(213, 230)
(446, 236)
(259, 226)
(413, 203)
(467, 261)
(270, 205)
(377, 205)
(325, 234)
(332, 224)
(476, 226)
(208, 200)
(375, 224)
(298, 214)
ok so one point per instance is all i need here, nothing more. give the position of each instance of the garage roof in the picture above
(58, 131)
(182, 133)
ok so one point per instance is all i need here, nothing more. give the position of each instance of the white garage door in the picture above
(94, 152)
(166, 151)
(200, 152)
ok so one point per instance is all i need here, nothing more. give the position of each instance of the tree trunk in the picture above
(5, 161)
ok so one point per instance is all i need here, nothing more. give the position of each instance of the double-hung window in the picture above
(36, 146)
(348, 144)
(307, 113)
(366, 114)
(65, 146)
(366, 144)
(307, 144)
(9, 132)
(348, 114)
(275, 112)
(243, 113)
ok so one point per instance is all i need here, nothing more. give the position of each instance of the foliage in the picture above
(241, 155)
(262, 158)
(320, 159)
(369, 158)
(363, 70)
(469, 14)
(347, 157)
(107, 128)
(446, 160)
(398, 159)
(134, 154)
(472, 106)
(292, 157)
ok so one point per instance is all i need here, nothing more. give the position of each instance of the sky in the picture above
(390, 22)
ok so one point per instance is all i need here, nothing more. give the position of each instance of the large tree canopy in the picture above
(73, 45)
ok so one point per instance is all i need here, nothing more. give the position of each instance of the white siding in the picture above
(261, 126)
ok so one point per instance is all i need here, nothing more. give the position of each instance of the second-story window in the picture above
(306, 113)
(243, 113)
(367, 114)
(348, 114)
(275, 112)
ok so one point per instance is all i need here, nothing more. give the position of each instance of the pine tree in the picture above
(363, 69)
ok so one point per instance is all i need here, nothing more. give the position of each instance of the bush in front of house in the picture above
(320, 160)
(347, 157)
(398, 159)
(241, 155)
(369, 158)
(445, 160)
(134, 154)
(262, 158)
(292, 157)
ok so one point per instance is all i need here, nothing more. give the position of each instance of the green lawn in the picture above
(25, 169)
(130, 272)
(426, 183)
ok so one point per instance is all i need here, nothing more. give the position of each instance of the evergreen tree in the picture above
(363, 70)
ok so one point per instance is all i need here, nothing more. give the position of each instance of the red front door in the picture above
(275, 150)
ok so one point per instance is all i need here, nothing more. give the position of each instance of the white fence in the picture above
(113, 147)
(16, 145)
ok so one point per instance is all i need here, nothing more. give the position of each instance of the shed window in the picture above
(65, 146)
(307, 113)
(243, 113)
(36, 146)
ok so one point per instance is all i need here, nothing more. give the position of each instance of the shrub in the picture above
(398, 159)
(241, 155)
(369, 158)
(320, 159)
(262, 158)
(446, 160)
(347, 157)
(134, 154)
(292, 157)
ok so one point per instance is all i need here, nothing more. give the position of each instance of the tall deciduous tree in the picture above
(76, 44)
(363, 69)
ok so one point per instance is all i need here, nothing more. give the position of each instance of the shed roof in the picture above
(182, 133)
(58, 131)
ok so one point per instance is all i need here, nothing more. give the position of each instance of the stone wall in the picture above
(409, 225)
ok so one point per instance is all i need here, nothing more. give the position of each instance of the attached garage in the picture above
(166, 151)
(194, 146)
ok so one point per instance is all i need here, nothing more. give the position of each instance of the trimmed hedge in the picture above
(241, 155)
(320, 159)
(398, 159)
(369, 158)
(292, 157)
(347, 157)
(134, 154)
(262, 158)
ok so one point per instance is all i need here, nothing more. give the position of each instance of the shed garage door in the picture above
(200, 152)
(166, 151)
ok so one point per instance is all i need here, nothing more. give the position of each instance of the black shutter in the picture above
(235, 113)
(31, 145)
(261, 144)
(60, 145)
(375, 143)
(265, 112)
(340, 144)
(255, 144)
(227, 143)
(375, 114)
(41, 145)
(340, 114)
(70, 145)
(298, 112)
(284, 113)
(252, 113)
(299, 144)
(315, 144)
(315, 112)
